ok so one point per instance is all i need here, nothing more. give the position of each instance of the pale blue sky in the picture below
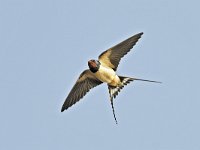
(45, 44)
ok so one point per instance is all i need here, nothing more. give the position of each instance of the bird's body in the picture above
(101, 71)
(107, 75)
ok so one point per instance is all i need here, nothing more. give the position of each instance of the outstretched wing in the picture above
(112, 56)
(85, 82)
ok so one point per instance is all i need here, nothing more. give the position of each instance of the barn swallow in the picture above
(104, 70)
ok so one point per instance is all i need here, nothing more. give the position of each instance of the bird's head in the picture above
(94, 65)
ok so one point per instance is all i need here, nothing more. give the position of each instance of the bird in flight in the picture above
(104, 70)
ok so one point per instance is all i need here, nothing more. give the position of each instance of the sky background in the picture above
(45, 45)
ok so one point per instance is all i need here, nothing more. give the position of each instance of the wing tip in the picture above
(136, 37)
(62, 109)
(140, 34)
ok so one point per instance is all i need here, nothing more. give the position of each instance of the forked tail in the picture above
(113, 91)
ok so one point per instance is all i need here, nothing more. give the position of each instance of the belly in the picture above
(107, 75)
